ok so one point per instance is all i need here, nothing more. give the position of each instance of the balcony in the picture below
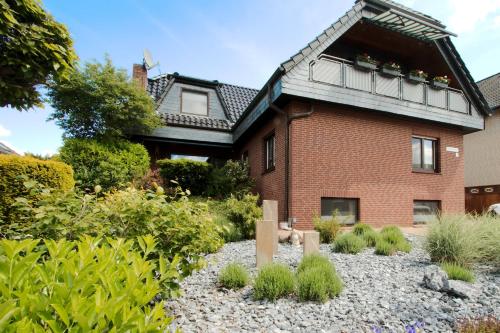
(342, 73)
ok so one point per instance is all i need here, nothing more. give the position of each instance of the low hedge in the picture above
(108, 164)
(15, 170)
(189, 174)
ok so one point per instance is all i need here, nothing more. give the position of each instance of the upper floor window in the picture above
(194, 102)
(424, 154)
(269, 148)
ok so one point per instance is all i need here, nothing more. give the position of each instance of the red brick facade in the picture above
(348, 153)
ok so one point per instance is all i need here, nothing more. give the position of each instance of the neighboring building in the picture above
(482, 154)
(6, 150)
(327, 134)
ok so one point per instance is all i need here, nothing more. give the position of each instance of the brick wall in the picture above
(270, 185)
(337, 152)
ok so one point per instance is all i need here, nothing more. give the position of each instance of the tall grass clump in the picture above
(360, 229)
(457, 272)
(394, 236)
(349, 243)
(274, 281)
(317, 279)
(328, 229)
(384, 248)
(371, 238)
(465, 240)
(233, 276)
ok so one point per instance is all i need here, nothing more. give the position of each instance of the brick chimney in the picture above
(140, 75)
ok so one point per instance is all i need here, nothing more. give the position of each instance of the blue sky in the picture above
(240, 42)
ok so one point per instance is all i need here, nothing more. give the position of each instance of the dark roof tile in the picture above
(236, 99)
(196, 121)
(490, 87)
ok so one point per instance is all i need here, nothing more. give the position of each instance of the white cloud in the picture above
(4, 131)
(466, 14)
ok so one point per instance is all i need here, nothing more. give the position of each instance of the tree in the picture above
(33, 48)
(100, 102)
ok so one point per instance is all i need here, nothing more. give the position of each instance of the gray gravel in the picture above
(382, 291)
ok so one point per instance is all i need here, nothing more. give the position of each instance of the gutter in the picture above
(288, 118)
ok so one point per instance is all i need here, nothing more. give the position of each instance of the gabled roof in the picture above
(235, 99)
(490, 87)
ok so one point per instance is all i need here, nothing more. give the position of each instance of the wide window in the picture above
(424, 154)
(425, 210)
(269, 149)
(194, 102)
(345, 209)
(189, 157)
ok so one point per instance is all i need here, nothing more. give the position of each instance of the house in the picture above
(4, 149)
(482, 154)
(332, 130)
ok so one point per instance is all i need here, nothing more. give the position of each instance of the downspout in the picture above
(288, 120)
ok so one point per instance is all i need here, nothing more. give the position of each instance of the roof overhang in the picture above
(409, 25)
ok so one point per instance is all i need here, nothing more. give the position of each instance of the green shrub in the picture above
(243, 214)
(233, 276)
(394, 236)
(232, 179)
(465, 239)
(183, 228)
(349, 243)
(371, 238)
(317, 279)
(384, 248)
(457, 272)
(81, 286)
(15, 170)
(188, 174)
(108, 164)
(360, 229)
(328, 229)
(274, 281)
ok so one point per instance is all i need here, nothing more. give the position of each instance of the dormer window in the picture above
(194, 102)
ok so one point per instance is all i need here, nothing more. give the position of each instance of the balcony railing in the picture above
(340, 72)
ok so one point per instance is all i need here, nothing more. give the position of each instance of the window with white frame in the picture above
(194, 102)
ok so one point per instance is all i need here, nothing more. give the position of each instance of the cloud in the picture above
(466, 14)
(4, 131)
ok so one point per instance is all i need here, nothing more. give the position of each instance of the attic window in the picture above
(194, 102)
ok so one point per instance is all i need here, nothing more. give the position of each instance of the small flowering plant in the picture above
(417, 327)
(366, 58)
(392, 66)
(442, 79)
(419, 73)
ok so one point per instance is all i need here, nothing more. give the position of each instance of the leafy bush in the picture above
(188, 174)
(384, 248)
(110, 165)
(328, 229)
(182, 228)
(371, 238)
(479, 325)
(88, 285)
(243, 214)
(15, 170)
(232, 179)
(233, 276)
(349, 243)
(360, 229)
(317, 279)
(457, 272)
(465, 239)
(274, 281)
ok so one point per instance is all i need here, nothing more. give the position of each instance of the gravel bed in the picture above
(378, 290)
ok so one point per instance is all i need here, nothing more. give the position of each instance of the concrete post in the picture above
(264, 242)
(270, 210)
(311, 242)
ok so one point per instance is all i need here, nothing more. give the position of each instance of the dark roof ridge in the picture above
(488, 77)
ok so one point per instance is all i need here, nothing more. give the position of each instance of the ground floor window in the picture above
(347, 209)
(425, 210)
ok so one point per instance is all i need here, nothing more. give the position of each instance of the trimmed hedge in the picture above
(15, 170)
(108, 164)
(190, 175)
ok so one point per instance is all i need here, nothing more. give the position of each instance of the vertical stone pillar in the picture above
(264, 242)
(270, 210)
(311, 242)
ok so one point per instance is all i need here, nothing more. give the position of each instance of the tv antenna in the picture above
(148, 60)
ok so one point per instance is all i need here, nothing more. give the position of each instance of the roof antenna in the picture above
(148, 60)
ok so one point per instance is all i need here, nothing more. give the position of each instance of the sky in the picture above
(233, 41)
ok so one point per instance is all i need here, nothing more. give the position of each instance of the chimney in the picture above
(140, 75)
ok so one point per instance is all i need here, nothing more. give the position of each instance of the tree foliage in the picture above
(99, 101)
(33, 48)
